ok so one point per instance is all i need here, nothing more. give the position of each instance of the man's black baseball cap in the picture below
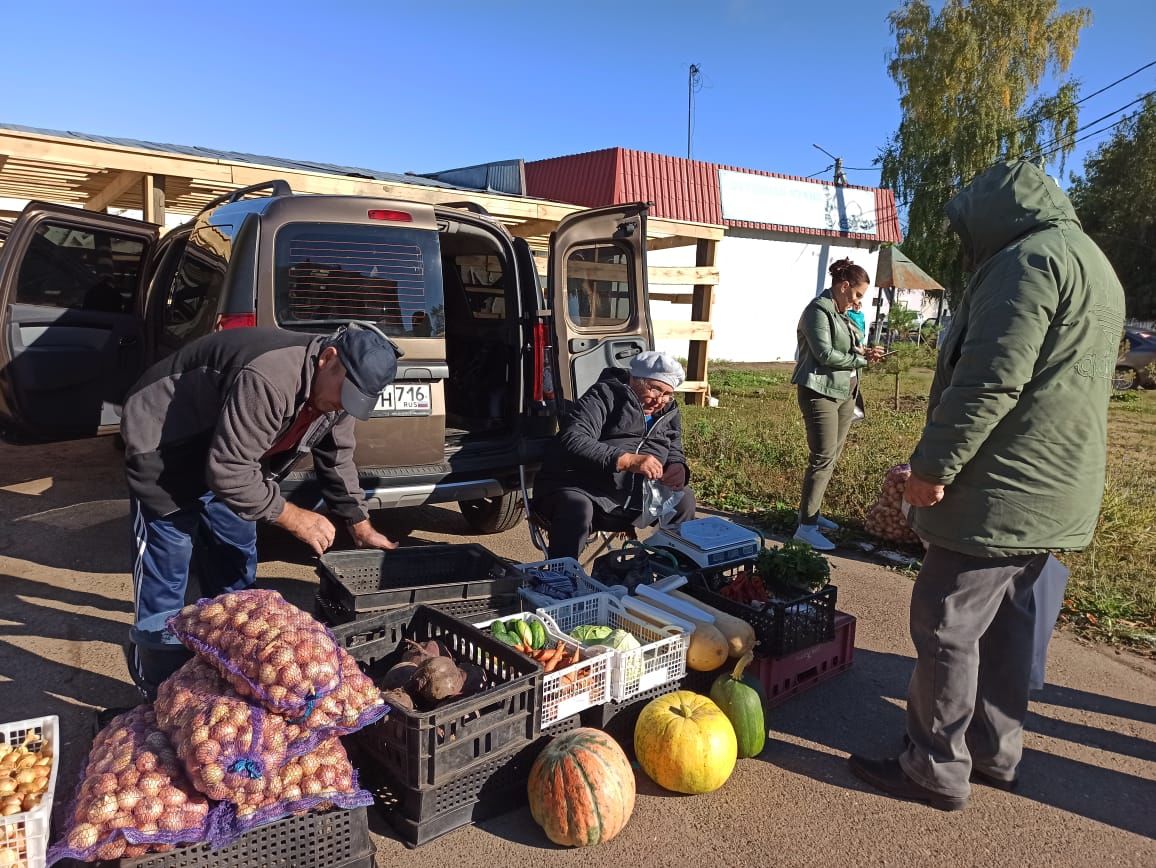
(370, 360)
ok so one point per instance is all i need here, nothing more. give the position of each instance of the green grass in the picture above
(749, 454)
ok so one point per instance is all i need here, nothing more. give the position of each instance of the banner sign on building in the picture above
(763, 199)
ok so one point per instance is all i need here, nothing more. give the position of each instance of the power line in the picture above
(1062, 140)
(1038, 120)
(822, 171)
(1099, 132)
(1116, 82)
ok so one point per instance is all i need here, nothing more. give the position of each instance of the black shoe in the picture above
(888, 776)
(982, 778)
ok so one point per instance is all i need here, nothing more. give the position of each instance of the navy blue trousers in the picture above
(223, 544)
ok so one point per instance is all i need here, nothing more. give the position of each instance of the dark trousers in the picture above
(973, 623)
(572, 516)
(827, 421)
(224, 546)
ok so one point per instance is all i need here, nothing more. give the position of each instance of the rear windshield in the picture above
(327, 273)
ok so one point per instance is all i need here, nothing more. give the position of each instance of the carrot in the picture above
(555, 657)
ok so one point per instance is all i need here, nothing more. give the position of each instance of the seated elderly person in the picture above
(626, 428)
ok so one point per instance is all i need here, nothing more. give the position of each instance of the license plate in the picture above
(405, 399)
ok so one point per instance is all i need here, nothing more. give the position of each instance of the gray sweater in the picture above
(204, 418)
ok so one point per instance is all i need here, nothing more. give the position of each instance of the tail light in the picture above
(539, 360)
(235, 321)
(390, 215)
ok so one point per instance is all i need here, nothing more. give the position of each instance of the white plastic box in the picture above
(577, 687)
(660, 660)
(567, 568)
(24, 836)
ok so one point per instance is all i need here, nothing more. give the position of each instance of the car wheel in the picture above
(493, 514)
(1125, 378)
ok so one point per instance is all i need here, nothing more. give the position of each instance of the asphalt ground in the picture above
(1088, 793)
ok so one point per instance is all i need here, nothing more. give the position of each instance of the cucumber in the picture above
(506, 638)
(539, 633)
(496, 629)
(526, 633)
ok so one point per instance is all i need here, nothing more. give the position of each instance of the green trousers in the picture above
(827, 421)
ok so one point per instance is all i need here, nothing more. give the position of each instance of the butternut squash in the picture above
(740, 635)
(708, 647)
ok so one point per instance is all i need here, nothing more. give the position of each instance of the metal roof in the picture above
(241, 157)
(500, 176)
(680, 189)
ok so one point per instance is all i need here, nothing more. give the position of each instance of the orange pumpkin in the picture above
(581, 788)
(685, 743)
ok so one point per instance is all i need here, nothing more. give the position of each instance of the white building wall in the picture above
(765, 281)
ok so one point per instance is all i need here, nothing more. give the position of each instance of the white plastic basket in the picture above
(660, 660)
(571, 570)
(24, 836)
(577, 687)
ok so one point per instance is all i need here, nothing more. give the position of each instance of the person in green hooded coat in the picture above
(1010, 467)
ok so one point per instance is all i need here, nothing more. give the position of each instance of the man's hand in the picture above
(920, 492)
(312, 528)
(365, 537)
(643, 465)
(674, 477)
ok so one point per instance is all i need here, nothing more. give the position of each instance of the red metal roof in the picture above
(680, 189)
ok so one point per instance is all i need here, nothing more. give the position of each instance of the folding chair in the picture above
(605, 532)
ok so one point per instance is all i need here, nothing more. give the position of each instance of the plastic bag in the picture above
(264, 647)
(134, 797)
(886, 519)
(1049, 597)
(658, 503)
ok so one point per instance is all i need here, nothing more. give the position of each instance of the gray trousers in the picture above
(972, 622)
(827, 421)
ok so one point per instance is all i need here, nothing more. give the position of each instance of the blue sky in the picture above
(421, 86)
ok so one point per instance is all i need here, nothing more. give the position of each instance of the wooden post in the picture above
(152, 196)
(700, 309)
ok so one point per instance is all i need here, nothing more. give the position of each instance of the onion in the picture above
(83, 836)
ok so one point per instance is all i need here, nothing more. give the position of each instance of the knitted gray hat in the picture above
(653, 365)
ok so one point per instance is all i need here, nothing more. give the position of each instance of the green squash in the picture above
(741, 699)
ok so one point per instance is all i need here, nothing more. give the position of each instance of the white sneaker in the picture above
(811, 535)
(826, 524)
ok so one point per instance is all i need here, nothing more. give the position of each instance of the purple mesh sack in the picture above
(321, 779)
(355, 704)
(227, 745)
(133, 797)
(267, 649)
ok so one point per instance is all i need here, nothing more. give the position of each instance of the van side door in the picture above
(71, 344)
(597, 285)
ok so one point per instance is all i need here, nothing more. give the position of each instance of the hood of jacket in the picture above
(1005, 203)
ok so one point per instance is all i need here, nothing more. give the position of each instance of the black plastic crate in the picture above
(329, 839)
(431, 748)
(619, 715)
(367, 582)
(793, 620)
(418, 816)
(482, 609)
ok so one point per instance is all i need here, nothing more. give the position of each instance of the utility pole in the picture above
(692, 80)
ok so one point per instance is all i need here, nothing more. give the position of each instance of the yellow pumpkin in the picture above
(685, 743)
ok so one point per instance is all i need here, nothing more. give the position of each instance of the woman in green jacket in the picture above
(830, 355)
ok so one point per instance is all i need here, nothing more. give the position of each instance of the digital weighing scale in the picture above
(709, 542)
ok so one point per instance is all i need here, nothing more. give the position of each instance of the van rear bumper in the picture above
(397, 491)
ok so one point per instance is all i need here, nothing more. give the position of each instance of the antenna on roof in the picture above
(693, 84)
